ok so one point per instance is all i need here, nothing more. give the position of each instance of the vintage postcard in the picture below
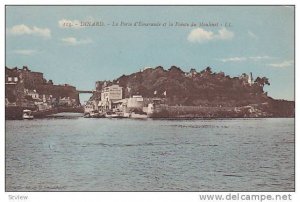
(150, 98)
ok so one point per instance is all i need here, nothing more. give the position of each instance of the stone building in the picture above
(14, 87)
(31, 79)
(110, 94)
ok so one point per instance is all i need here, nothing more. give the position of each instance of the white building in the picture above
(113, 92)
(110, 94)
(66, 101)
(32, 93)
(250, 79)
(12, 79)
(90, 106)
(136, 101)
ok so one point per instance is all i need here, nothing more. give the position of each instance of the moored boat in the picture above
(138, 116)
(27, 114)
(94, 114)
(111, 114)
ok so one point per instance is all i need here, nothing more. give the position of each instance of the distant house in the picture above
(90, 106)
(67, 102)
(11, 79)
(12, 76)
(247, 79)
(136, 101)
(47, 98)
(31, 93)
(120, 105)
(42, 102)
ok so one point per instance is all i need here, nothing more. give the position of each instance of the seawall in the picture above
(16, 112)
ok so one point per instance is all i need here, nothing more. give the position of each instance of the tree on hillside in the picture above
(262, 81)
(208, 69)
(175, 70)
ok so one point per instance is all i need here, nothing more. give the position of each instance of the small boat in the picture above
(110, 114)
(87, 115)
(27, 114)
(94, 114)
(138, 116)
(115, 114)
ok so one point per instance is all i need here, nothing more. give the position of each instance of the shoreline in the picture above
(57, 116)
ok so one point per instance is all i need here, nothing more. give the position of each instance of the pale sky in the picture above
(257, 39)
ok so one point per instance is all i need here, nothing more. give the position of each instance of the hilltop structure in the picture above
(29, 89)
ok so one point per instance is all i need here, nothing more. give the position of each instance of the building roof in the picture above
(120, 101)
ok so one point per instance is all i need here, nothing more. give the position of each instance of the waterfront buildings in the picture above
(26, 88)
(110, 98)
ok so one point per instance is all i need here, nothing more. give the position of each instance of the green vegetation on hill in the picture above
(204, 88)
(215, 94)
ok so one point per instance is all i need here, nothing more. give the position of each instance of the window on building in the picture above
(16, 79)
(9, 78)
